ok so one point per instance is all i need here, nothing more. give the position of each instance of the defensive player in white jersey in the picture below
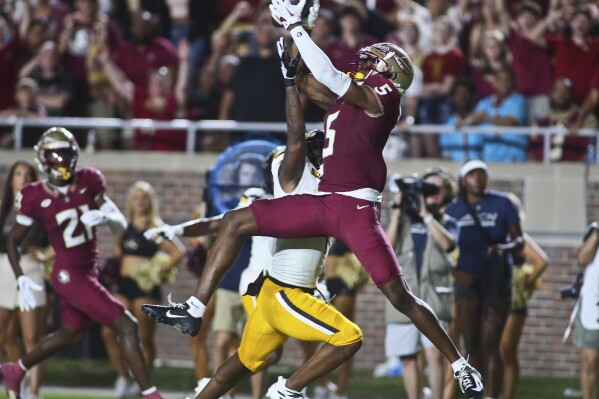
(285, 305)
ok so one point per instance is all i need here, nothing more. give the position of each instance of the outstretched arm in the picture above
(293, 163)
(119, 82)
(588, 250)
(106, 214)
(24, 283)
(193, 228)
(320, 65)
(15, 237)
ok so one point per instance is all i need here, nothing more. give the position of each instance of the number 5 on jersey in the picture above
(330, 135)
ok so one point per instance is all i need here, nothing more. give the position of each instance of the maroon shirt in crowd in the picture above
(156, 140)
(135, 61)
(531, 65)
(436, 66)
(575, 63)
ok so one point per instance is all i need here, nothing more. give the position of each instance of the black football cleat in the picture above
(470, 382)
(174, 315)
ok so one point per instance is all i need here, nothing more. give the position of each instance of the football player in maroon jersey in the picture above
(68, 205)
(362, 113)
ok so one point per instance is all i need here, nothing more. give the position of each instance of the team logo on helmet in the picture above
(57, 154)
(385, 59)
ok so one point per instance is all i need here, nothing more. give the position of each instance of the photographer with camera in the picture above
(586, 333)
(489, 230)
(417, 215)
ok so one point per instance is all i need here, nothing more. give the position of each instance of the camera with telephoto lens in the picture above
(573, 291)
(411, 188)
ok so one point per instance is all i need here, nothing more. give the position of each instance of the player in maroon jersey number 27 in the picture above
(69, 205)
(361, 114)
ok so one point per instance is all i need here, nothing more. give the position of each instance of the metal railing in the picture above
(191, 127)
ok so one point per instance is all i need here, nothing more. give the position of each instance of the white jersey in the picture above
(260, 258)
(298, 262)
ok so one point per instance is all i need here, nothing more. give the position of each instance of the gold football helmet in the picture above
(57, 154)
(388, 60)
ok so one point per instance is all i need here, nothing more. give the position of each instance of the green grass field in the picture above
(99, 373)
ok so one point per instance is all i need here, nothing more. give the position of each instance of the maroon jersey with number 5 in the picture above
(353, 152)
(74, 243)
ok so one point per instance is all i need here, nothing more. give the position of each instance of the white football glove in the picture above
(310, 20)
(286, 13)
(164, 232)
(26, 287)
(93, 217)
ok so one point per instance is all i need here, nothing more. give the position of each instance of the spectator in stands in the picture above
(53, 12)
(36, 34)
(565, 10)
(489, 229)
(86, 33)
(495, 56)
(531, 63)
(579, 46)
(408, 37)
(55, 86)
(529, 264)
(205, 95)
(564, 113)
(31, 322)
(456, 146)
(411, 9)
(27, 106)
(323, 31)
(586, 333)
(504, 108)
(342, 51)
(494, 17)
(422, 240)
(11, 54)
(157, 100)
(146, 51)
(27, 101)
(191, 20)
(137, 256)
(440, 68)
(256, 72)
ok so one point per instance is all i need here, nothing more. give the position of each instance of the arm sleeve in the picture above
(319, 64)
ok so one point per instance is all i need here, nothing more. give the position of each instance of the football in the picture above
(305, 12)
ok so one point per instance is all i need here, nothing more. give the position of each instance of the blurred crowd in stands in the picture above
(478, 62)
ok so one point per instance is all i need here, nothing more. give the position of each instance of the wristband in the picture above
(428, 218)
(289, 82)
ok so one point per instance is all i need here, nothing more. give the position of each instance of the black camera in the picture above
(411, 188)
(573, 291)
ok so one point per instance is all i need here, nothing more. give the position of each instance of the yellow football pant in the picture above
(283, 312)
